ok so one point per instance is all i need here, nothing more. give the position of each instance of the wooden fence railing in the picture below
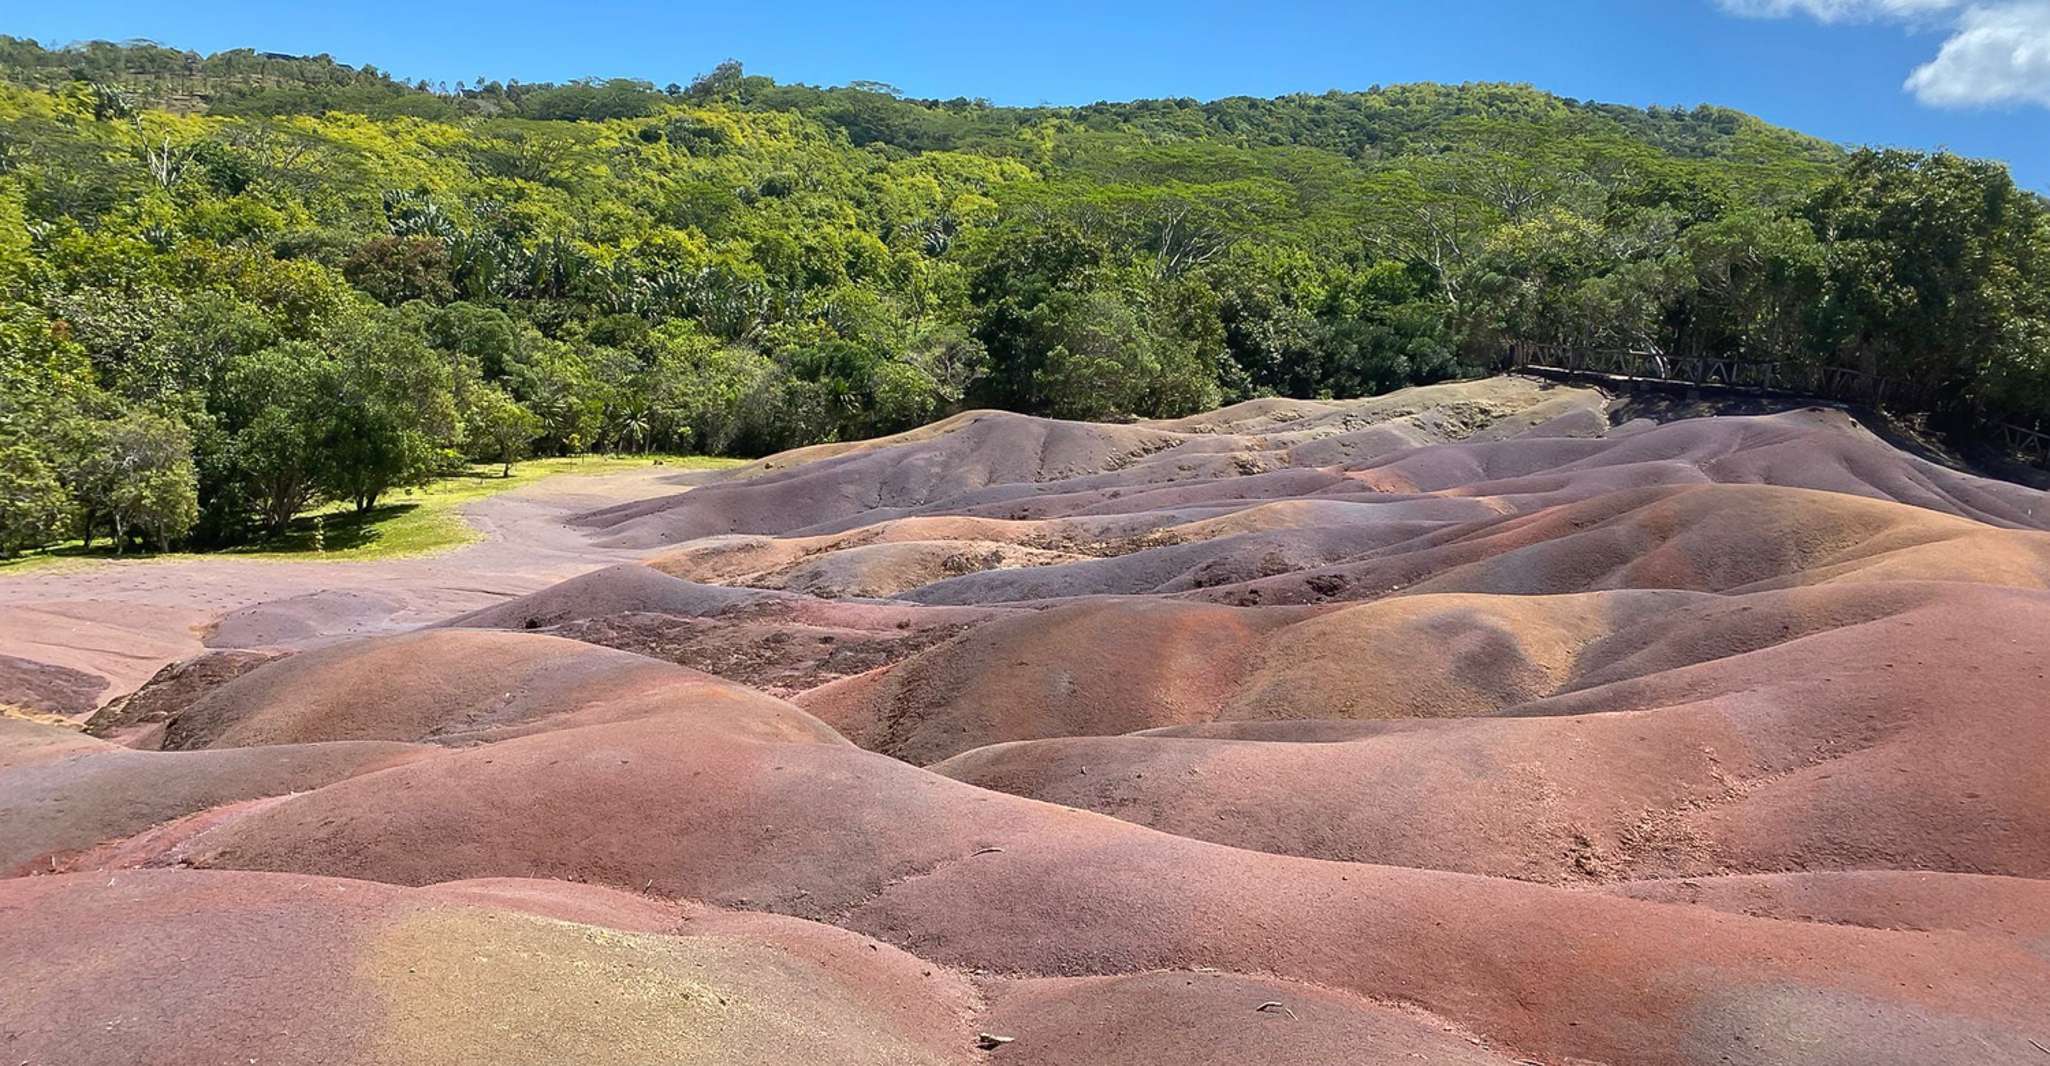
(2030, 444)
(1838, 383)
(1654, 366)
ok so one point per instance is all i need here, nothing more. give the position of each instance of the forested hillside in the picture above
(234, 287)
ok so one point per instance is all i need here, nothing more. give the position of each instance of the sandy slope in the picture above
(105, 626)
(1454, 726)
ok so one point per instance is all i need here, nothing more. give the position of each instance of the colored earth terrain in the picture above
(1488, 722)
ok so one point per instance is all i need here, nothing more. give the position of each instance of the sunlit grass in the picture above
(9, 710)
(416, 521)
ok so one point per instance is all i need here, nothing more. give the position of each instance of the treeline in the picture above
(210, 323)
(1370, 124)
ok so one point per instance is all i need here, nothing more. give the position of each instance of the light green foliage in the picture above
(498, 427)
(151, 486)
(339, 284)
(132, 477)
(711, 395)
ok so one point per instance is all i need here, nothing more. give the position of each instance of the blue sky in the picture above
(1835, 68)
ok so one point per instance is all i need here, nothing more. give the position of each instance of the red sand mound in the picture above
(137, 719)
(48, 688)
(463, 686)
(1453, 725)
(2012, 908)
(59, 797)
(620, 589)
(1110, 666)
(1101, 666)
(1813, 449)
(1708, 538)
(880, 570)
(1803, 754)
(973, 879)
(1209, 1017)
(981, 449)
(985, 448)
(184, 967)
(1386, 528)
(26, 742)
(739, 558)
(1549, 974)
(775, 642)
(772, 654)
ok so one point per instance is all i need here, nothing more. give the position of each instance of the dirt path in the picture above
(77, 635)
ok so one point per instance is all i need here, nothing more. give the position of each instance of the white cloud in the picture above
(1998, 51)
(1999, 55)
(1841, 10)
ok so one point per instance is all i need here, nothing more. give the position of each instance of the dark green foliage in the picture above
(1934, 271)
(397, 270)
(592, 101)
(275, 409)
(32, 501)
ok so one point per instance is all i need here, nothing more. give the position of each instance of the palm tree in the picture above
(634, 426)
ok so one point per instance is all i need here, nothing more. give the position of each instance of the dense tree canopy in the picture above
(234, 287)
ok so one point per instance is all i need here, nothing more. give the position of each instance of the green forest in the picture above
(234, 288)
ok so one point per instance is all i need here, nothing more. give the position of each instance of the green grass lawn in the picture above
(415, 521)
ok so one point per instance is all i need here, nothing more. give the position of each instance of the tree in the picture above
(1934, 269)
(1383, 328)
(279, 408)
(744, 266)
(486, 336)
(136, 473)
(394, 270)
(32, 501)
(1015, 270)
(715, 397)
(1114, 352)
(1757, 278)
(154, 488)
(498, 428)
(950, 360)
(554, 379)
(722, 82)
(592, 101)
(1565, 277)
(392, 420)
